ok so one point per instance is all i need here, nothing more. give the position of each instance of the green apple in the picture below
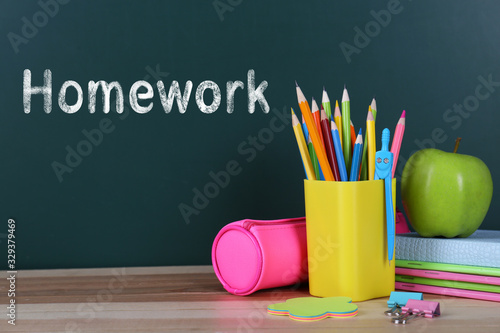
(445, 194)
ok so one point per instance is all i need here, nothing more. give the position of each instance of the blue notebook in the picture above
(482, 248)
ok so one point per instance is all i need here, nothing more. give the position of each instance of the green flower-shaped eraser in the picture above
(315, 308)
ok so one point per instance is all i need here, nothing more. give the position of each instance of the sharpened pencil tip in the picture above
(324, 88)
(359, 138)
(345, 95)
(322, 114)
(296, 84)
(403, 115)
(370, 116)
(333, 126)
(374, 104)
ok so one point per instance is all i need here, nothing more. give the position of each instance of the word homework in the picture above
(141, 94)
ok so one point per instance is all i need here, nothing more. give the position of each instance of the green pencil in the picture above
(314, 159)
(374, 108)
(346, 129)
(325, 101)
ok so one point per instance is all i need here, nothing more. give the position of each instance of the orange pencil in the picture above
(317, 120)
(313, 133)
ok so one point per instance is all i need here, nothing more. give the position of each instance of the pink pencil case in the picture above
(250, 255)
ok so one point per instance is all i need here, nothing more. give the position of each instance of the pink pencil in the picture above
(396, 141)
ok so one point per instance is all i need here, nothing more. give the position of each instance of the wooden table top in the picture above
(190, 298)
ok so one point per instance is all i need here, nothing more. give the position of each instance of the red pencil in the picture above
(397, 139)
(329, 147)
(353, 136)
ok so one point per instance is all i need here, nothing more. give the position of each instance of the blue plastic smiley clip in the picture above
(383, 170)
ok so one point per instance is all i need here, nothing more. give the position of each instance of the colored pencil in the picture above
(374, 109)
(373, 106)
(301, 143)
(304, 128)
(313, 135)
(353, 136)
(314, 159)
(317, 119)
(306, 136)
(325, 101)
(356, 157)
(397, 140)
(338, 120)
(330, 150)
(338, 152)
(346, 128)
(372, 148)
(364, 166)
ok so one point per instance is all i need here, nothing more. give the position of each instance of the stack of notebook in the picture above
(464, 267)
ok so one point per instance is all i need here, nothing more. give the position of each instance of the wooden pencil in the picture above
(372, 148)
(313, 135)
(338, 152)
(317, 119)
(314, 159)
(346, 129)
(356, 157)
(363, 174)
(301, 143)
(330, 149)
(353, 137)
(325, 101)
(397, 140)
(338, 120)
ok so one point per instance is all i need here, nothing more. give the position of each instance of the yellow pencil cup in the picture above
(347, 239)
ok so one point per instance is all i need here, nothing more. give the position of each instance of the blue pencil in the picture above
(306, 136)
(338, 151)
(304, 129)
(356, 157)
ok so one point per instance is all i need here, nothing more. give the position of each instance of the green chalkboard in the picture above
(206, 138)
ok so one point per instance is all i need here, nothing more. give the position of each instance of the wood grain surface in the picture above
(190, 298)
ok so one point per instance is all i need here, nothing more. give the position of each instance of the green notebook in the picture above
(448, 283)
(434, 266)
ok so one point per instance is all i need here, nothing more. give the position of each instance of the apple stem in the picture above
(457, 143)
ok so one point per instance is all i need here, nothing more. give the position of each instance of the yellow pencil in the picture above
(338, 120)
(301, 142)
(372, 148)
(313, 134)
(364, 166)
